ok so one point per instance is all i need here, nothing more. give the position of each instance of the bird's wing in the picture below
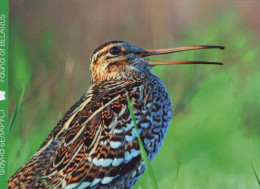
(96, 142)
(100, 143)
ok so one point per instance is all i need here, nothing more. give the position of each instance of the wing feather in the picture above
(92, 148)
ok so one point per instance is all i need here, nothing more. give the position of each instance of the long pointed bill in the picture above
(178, 49)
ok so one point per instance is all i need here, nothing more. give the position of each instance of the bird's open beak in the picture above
(148, 52)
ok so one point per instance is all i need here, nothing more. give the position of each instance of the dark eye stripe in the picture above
(104, 49)
(107, 44)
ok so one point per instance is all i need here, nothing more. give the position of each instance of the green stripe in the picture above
(4, 8)
(144, 156)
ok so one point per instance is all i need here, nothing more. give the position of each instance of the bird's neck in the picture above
(128, 74)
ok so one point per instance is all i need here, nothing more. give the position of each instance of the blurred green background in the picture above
(215, 130)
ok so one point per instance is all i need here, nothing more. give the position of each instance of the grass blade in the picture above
(59, 117)
(142, 149)
(256, 176)
(17, 109)
(177, 174)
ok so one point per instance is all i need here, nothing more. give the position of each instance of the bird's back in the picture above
(95, 144)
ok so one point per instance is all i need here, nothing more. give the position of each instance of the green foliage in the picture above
(256, 176)
(177, 175)
(20, 72)
(17, 109)
(215, 128)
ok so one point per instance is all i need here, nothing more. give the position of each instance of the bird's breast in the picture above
(155, 117)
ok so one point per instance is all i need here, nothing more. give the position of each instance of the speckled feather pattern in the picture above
(95, 145)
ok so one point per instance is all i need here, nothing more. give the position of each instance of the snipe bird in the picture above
(95, 144)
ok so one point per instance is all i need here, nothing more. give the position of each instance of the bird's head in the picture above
(116, 60)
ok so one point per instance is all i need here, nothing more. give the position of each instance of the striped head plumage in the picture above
(120, 60)
(116, 60)
(95, 144)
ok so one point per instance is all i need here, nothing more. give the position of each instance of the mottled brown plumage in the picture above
(95, 144)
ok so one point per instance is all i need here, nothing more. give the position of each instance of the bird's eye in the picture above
(115, 50)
